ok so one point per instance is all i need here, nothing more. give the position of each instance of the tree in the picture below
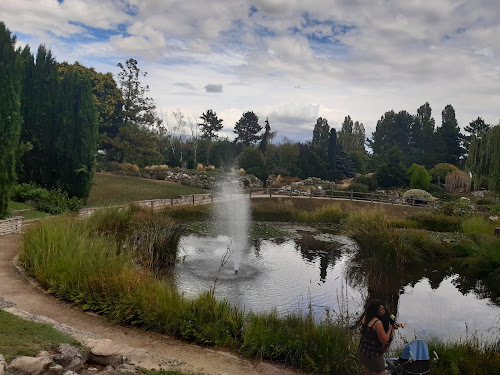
(251, 160)
(359, 136)
(10, 113)
(137, 107)
(419, 177)
(393, 129)
(210, 126)
(332, 149)
(310, 163)
(266, 137)
(393, 173)
(247, 129)
(76, 134)
(449, 137)
(321, 134)
(484, 158)
(440, 171)
(40, 95)
(476, 128)
(423, 139)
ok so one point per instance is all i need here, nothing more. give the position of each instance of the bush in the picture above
(371, 182)
(27, 192)
(484, 202)
(57, 201)
(126, 168)
(475, 225)
(357, 187)
(419, 195)
(419, 178)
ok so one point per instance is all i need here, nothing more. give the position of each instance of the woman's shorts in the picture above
(376, 364)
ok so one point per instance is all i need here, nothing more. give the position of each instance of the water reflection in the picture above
(320, 271)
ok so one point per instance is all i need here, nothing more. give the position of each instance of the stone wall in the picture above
(11, 225)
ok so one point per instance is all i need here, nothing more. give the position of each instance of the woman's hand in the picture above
(398, 325)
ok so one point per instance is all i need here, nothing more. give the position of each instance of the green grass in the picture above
(19, 337)
(18, 206)
(476, 224)
(28, 215)
(109, 189)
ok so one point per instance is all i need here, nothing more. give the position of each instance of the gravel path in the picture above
(23, 297)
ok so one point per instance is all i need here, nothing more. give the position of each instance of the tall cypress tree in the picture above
(40, 89)
(76, 134)
(10, 113)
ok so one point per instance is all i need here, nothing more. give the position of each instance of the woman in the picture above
(375, 340)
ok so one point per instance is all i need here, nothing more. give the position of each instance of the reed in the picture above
(437, 222)
(476, 224)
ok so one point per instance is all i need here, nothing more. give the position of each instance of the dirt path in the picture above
(19, 293)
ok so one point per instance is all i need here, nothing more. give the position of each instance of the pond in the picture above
(310, 272)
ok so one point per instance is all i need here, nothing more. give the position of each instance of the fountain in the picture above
(233, 214)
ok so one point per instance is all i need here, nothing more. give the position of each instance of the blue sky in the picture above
(289, 60)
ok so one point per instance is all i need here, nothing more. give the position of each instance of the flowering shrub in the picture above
(418, 195)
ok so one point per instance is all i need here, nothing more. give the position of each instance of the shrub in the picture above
(458, 181)
(199, 167)
(439, 172)
(359, 188)
(126, 168)
(419, 195)
(27, 192)
(484, 202)
(419, 177)
(371, 182)
(56, 202)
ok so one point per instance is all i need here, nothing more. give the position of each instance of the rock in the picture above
(75, 365)
(2, 364)
(126, 369)
(28, 365)
(44, 354)
(106, 352)
(55, 370)
(70, 373)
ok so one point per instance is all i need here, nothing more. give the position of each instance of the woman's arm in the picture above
(382, 335)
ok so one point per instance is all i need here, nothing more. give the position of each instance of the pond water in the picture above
(309, 271)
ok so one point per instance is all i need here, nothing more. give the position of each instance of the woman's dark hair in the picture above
(371, 310)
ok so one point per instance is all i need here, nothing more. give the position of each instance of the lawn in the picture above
(109, 189)
(19, 337)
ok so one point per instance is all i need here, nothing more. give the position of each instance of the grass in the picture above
(475, 225)
(28, 215)
(19, 337)
(18, 206)
(76, 262)
(109, 189)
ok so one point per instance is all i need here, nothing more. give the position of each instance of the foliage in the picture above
(20, 337)
(418, 195)
(423, 138)
(484, 158)
(477, 225)
(370, 182)
(10, 114)
(449, 137)
(138, 109)
(419, 177)
(357, 187)
(352, 136)
(210, 125)
(27, 192)
(56, 202)
(476, 128)
(127, 168)
(266, 137)
(251, 160)
(320, 137)
(440, 171)
(247, 129)
(437, 222)
(457, 181)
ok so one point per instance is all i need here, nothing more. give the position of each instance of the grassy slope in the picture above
(20, 337)
(111, 189)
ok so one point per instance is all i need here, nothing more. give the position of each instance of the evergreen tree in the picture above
(392, 173)
(332, 149)
(266, 137)
(423, 139)
(476, 128)
(359, 136)
(76, 134)
(321, 134)
(137, 108)
(210, 126)
(40, 90)
(344, 166)
(247, 130)
(10, 113)
(449, 137)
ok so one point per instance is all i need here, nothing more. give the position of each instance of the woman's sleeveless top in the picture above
(370, 345)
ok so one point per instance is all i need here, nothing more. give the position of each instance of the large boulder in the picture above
(28, 366)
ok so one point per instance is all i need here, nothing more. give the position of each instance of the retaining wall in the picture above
(11, 225)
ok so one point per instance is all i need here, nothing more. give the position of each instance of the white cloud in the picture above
(348, 57)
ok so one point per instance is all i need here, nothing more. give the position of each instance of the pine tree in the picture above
(321, 134)
(266, 137)
(10, 113)
(476, 128)
(247, 130)
(210, 126)
(449, 137)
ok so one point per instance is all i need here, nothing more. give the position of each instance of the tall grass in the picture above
(437, 222)
(479, 257)
(475, 225)
(465, 356)
(80, 264)
(286, 211)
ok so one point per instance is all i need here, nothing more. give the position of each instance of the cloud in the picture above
(211, 87)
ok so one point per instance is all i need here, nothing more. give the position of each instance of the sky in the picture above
(290, 61)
